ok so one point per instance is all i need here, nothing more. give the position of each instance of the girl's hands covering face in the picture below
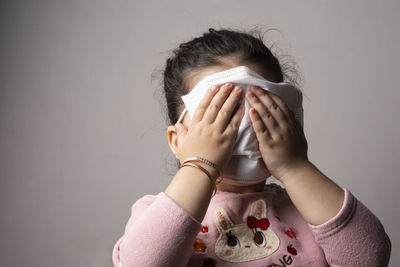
(214, 127)
(282, 142)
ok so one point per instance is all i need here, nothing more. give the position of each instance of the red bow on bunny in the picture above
(252, 222)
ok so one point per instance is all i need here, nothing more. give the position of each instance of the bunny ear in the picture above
(222, 220)
(259, 209)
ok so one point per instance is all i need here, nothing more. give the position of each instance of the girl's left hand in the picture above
(281, 139)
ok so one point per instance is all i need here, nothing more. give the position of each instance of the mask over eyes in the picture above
(246, 166)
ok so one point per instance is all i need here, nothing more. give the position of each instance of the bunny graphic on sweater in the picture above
(247, 241)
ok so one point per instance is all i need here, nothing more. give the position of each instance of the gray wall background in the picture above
(83, 135)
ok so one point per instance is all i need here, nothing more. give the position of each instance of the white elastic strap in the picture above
(183, 114)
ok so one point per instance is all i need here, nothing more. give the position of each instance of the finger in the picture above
(227, 109)
(282, 105)
(259, 127)
(237, 117)
(217, 102)
(263, 113)
(266, 98)
(204, 103)
(290, 118)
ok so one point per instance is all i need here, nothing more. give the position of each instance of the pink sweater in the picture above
(255, 229)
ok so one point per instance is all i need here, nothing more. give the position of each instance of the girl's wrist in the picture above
(212, 171)
(295, 171)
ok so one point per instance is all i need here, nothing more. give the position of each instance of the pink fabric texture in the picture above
(255, 229)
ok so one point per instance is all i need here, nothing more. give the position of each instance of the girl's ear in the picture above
(174, 133)
(172, 138)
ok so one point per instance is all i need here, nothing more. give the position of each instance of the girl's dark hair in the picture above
(211, 49)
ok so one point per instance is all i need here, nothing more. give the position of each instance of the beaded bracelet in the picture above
(205, 171)
(205, 161)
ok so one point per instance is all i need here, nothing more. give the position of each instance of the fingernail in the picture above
(237, 89)
(177, 126)
(214, 88)
(228, 84)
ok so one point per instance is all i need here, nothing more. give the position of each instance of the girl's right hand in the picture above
(214, 126)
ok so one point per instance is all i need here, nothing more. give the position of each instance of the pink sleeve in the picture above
(354, 237)
(158, 233)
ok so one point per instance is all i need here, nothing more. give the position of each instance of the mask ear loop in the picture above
(183, 114)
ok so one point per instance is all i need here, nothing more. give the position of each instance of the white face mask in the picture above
(246, 166)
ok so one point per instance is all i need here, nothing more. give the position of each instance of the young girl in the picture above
(310, 222)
